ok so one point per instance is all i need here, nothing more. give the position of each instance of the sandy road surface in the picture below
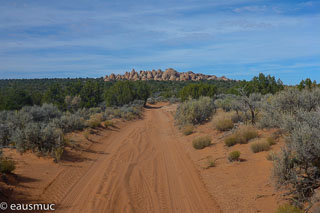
(142, 168)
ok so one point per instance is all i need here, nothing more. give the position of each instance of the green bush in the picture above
(7, 166)
(260, 146)
(187, 130)
(196, 91)
(201, 142)
(234, 156)
(194, 111)
(287, 208)
(124, 92)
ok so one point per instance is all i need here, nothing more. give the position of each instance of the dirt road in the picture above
(141, 168)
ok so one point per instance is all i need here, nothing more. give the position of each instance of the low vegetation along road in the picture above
(142, 168)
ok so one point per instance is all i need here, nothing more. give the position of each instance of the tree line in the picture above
(88, 92)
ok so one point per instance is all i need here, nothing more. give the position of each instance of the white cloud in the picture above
(47, 38)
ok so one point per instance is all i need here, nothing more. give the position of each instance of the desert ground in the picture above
(146, 165)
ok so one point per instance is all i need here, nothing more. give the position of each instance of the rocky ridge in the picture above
(159, 75)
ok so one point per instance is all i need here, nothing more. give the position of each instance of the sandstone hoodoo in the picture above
(159, 75)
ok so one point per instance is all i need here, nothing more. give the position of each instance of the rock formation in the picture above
(158, 75)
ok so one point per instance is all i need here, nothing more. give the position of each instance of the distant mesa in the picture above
(159, 75)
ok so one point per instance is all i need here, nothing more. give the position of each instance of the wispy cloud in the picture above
(262, 8)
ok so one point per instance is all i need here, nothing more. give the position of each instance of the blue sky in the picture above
(235, 38)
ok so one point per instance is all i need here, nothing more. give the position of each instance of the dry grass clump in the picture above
(210, 162)
(271, 141)
(234, 156)
(86, 134)
(247, 133)
(201, 142)
(7, 166)
(108, 123)
(260, 146)
(231, 140)
(95, 121)
(224, 125)
(187, 130)
(242, 136)
(58, 153)
(222, 121)
(287, 208)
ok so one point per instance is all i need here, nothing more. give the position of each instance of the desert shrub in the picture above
(108, 124)
(70, 122)
(159, 99)
(231, 140)
(83, 113)
(296, 167)
(195, 91)
(116, 113)
(194, 111)
(7, 166)
(248, 105)
(187, 130)
(201, 142)
(287, 208)
(42, 138)
(52, 138)
(42, 113)
(18, 141)
(225, 102)
(174, 100)
(151, 100)
(234, 156)
(271, 156)
(32, 136)
(130, 112)
(4, 134)
(94, 110)
(237, 117)
(260, 146)
(288, 102)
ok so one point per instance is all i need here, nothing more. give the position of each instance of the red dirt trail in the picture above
(141, 167)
